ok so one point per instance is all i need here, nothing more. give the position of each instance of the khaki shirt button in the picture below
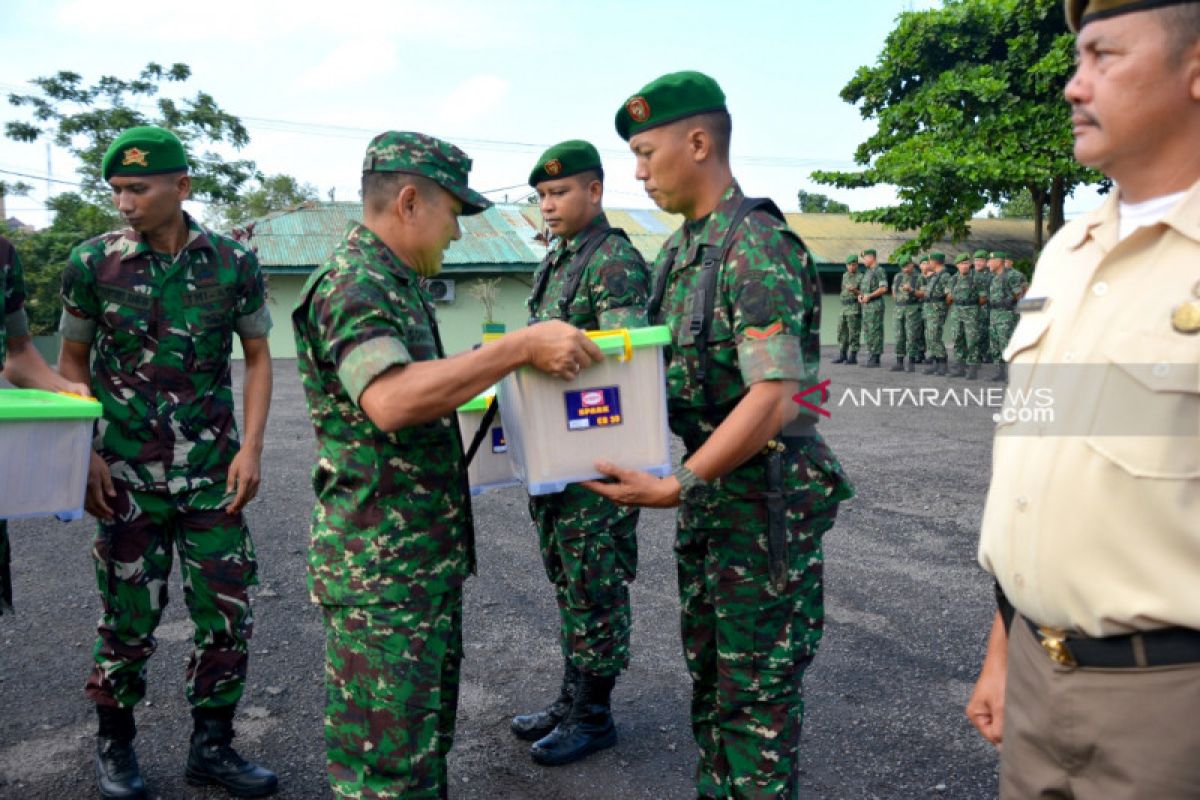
(1068, 357)
(1022, 503)
(1100, 289)
(1160, 370)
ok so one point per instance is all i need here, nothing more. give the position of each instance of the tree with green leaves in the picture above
(816, 203)
(86, 119)
(272, 193)
(968, 101)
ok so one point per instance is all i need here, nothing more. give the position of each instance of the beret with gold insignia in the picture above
(998, 254)
(674, 96)
(980, 254)
(852, 258)
(962, 257)
(938, 256)
(420, 154)
(1081, 12)
(870, 251)
(145, 150)
(565, 159)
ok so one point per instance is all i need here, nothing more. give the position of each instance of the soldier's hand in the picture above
(633, 487)
(559, 349)
(99, 487)
(244, 474)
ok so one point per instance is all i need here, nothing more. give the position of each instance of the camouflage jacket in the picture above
(874, 278)
(937, 286)
(161, 335)
(759, 332)
(13, 321)
(1005, 287)
(612, 292)
(851, 280)
(903, 286)
(392, 521)
(983, 282)
(965, 290)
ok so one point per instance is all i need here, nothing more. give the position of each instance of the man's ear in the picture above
(699, 144)
(184, 186)
(406, 202)
(595, 191)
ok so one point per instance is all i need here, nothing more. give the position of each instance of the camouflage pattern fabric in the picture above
(850, 321)
(1002, 319)
(964, 318)
(983, 282)
(392, 677)
(908, 309)
(161, 332)
(133, 563)
(391, 529)
(915, 324)
(745, 642)
(934, 311)
(13, 322)
(872, 312)
(588, 543)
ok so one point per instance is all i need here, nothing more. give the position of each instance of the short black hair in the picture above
(720, 127)
(1182, 24)
(589, 175)
(380, 188)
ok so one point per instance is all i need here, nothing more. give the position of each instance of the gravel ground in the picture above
(907, 611)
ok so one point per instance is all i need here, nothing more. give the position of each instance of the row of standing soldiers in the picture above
(979, 302)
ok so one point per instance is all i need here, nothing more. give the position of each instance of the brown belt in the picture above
(1157, 648)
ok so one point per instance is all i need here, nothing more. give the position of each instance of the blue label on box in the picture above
(593, 408)
(498, 443)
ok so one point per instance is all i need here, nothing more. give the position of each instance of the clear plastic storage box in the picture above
(491, 468)
(45, 449)
(614, 410)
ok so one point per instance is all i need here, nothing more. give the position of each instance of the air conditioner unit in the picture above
(440, 289)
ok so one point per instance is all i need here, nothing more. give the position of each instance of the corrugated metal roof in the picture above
(504, 237)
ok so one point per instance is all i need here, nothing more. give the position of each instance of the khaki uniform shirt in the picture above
(1092, 520)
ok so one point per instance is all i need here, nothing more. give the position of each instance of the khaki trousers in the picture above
(1107, 734)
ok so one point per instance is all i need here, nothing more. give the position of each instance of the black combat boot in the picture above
(960, 369)
(873, 361)
(912, 365)
(973, 372)
(212, 761)
(532, 727)
(920, 359)
(117, 773)
(588, 726)
(932, 369)
(899, 367)
(841, 358)
(853, 359)
(1001, 372)
(941, 365)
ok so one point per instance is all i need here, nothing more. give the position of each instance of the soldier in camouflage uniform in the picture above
(593, 278)
(758, 487)
(1006, 288)
(934, 303)
(908, 313)
(392, 534)
(983, 279)
(24, 367)
(873, 287)
(919, 322)
(149, 317)
(964, 319)
(850, 320)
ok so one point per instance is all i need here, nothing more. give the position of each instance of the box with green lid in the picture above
(491, 468)
(614, 410)
(45, 450)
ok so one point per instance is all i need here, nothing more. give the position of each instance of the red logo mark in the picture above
(553, 167)
(823, 388)
(638, 108)
(593, 398)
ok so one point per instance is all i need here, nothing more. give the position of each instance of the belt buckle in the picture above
(1054, 642)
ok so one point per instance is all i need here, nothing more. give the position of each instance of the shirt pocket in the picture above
(1027, 335)
(209, 317)
(1147, 414)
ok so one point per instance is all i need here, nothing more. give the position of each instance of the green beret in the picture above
(565, 159)
(998, 254)
(1081, 12)
(939, 257)
(869, 252)
(980, 254)
(904, 261)
(962, 257)
(852, 258)
(146, 150)
(675, 96)
(418, 154)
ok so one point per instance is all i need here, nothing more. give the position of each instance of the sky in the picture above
(505, 79)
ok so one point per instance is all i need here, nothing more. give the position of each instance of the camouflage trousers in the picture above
(935, 320)
(1001, 324)
(5, 569)
(908, 320)
(746, 642)
(589, 549)
(849, 328)
(133, 562)
(984, 350)
(391, 680)
(964, 328)
(872, 327)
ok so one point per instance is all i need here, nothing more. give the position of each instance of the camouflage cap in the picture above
(852, 258)
(980, 254)
(145, 150)
(565, 159)
(935, 255)
(998, 254)
(1081, 12)
(419, 154)
(674, 96)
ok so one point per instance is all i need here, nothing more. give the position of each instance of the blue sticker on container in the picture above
(499, 445)
(599, 407)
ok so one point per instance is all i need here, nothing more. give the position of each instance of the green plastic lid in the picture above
(479, 402)
(614, 341)
(36, 404)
